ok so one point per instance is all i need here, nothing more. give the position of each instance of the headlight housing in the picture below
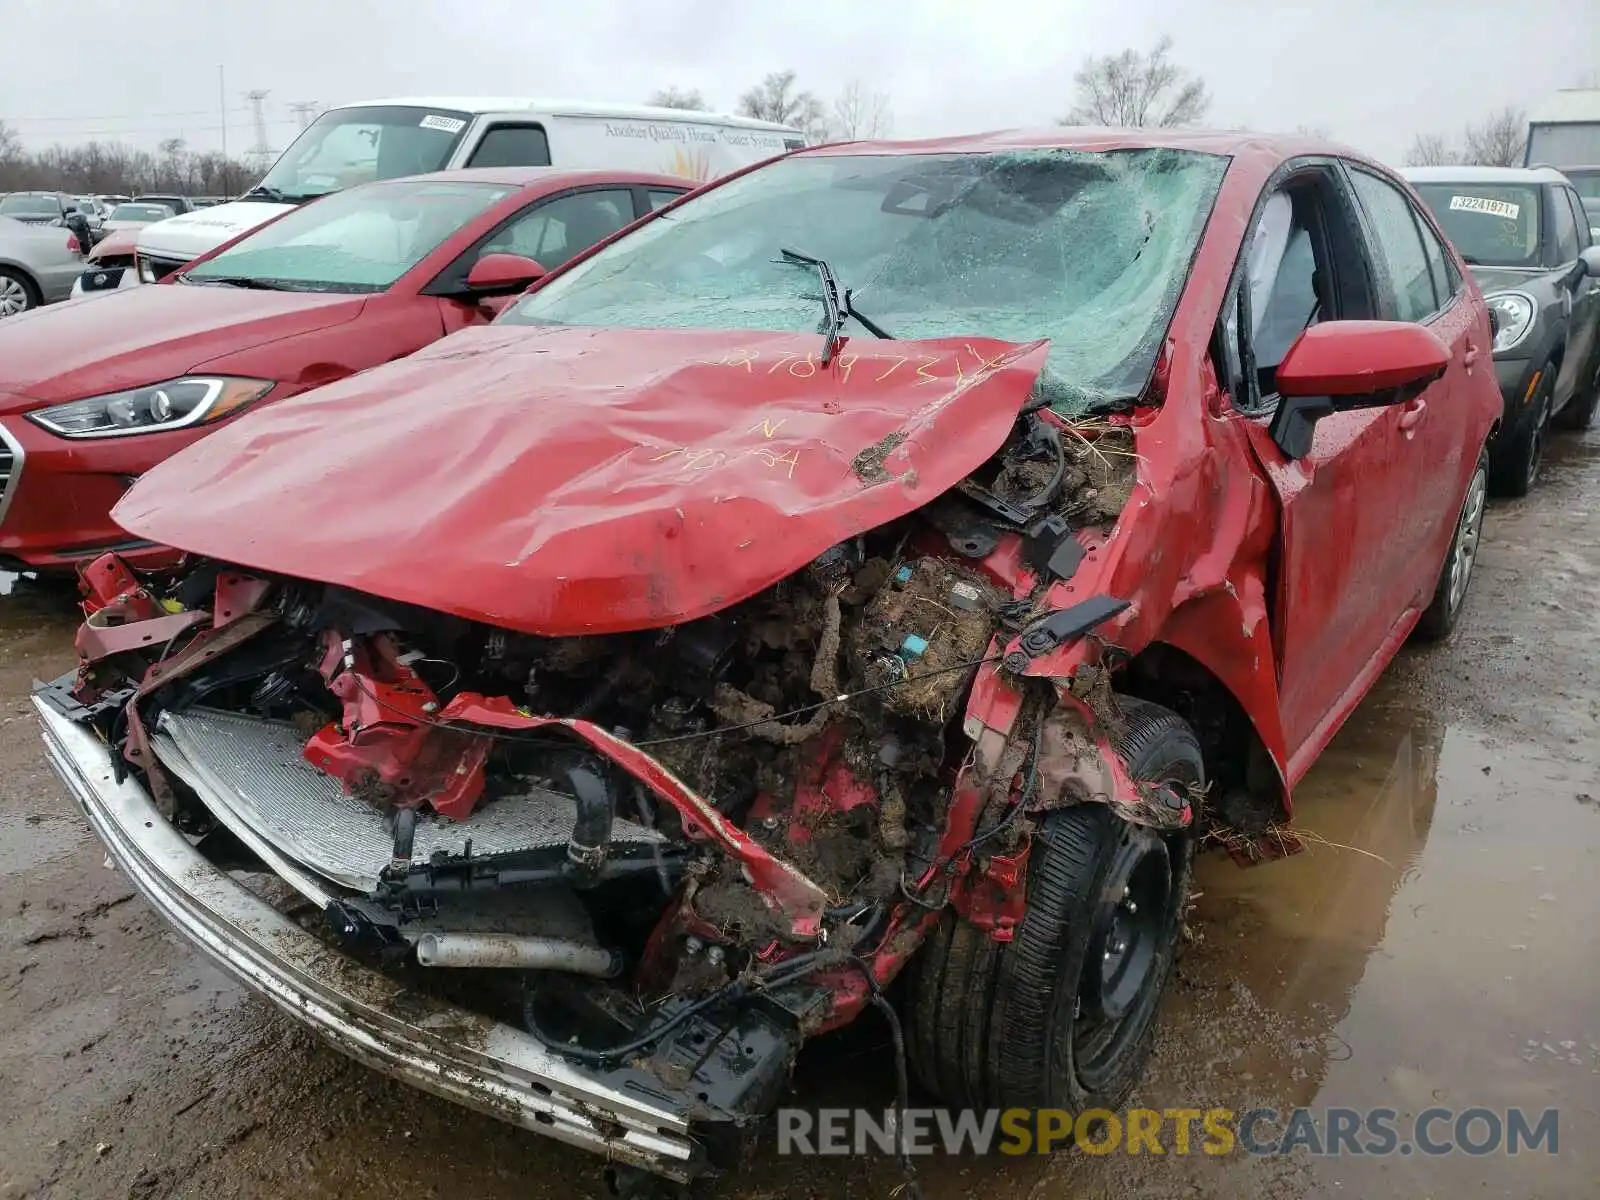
(147, 271)
(176, 404)
(1517, 311)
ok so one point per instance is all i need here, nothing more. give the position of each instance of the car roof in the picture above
(1253, 157)
(569, 108)
(554, 178)
(1233, 143)
(1471, 174)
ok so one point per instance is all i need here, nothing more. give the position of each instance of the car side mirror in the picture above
(1339, 366)
(1589, 259)
(501, 275)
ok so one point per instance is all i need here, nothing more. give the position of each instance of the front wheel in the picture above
(1516, 461)
(1063, 1016)
(1450, 594)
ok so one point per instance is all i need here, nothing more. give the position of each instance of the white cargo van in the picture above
(384, 139)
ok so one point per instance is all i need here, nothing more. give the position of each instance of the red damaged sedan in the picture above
(94, 395)
(881, 564)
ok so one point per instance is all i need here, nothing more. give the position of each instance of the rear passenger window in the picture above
(1398, 232)
(662, 199)
(512, 146)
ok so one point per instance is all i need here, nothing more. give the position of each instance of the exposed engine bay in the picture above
(674, 852)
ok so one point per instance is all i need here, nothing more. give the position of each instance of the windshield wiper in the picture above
(239, 281)
(836, 308)
(274, 195)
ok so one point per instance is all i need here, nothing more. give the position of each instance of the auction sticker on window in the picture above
(448, 124)
(1497, 208)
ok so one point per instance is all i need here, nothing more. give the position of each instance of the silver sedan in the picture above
(37, 265)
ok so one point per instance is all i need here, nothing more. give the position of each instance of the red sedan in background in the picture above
(95, 393)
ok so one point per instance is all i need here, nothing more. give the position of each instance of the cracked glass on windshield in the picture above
(357, 241)
(1090, 250)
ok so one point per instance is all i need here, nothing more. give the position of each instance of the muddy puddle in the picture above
(1434, 946)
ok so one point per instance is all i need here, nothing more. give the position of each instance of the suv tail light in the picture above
(72, 244)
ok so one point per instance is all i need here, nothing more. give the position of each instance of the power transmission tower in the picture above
(261, 153)
(304, 110)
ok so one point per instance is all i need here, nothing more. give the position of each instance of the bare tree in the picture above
(858, 113)
(114, 167)
(676, 97)
(1134, 89)
(775, 98)
(1499, 140)
(1431, 150)
(10, 143)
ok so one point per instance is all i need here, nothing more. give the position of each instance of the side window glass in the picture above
(553, 232)
(661, 199)
(512, 146)
(1291, 305)
(1566, 228)
(1399, 244)
(1445, 279)
(1279, 289)
(1579, 216)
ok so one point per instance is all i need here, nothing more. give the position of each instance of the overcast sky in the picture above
(1371, 72)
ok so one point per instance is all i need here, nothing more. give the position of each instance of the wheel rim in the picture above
(1464, 554)
(1138, 908)
(1535, 450)
(13, 296)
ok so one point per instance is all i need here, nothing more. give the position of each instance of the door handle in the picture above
(1411, 412)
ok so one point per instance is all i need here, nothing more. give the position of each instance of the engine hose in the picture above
(591, 830)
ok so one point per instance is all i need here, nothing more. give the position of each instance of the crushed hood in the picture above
(146, 335)
(564, 480)
(189, 235)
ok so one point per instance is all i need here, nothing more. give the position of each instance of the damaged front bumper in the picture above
(451, 1052)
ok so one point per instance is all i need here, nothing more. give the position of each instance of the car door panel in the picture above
(1336, 553)
(1331, 609)
(1578, 365)
(1433, 429)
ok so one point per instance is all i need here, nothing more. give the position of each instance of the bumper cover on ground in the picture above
(460, 1055)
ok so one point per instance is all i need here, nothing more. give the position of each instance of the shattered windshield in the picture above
(1090, 250)
(356, 241)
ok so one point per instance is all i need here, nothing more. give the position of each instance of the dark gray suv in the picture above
(1525, 235)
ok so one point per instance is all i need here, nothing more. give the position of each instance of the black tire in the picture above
(1514, 465)
(1455, 576)
(13, 281)
(1578, 415)
(1013, 1025)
